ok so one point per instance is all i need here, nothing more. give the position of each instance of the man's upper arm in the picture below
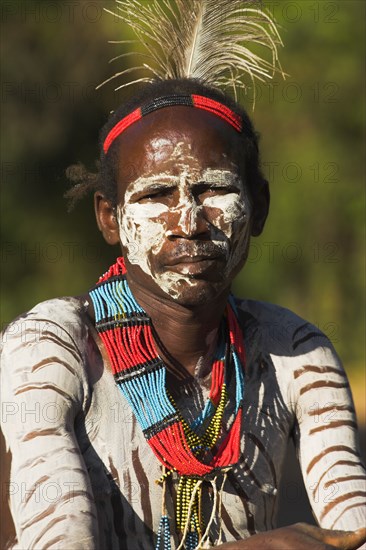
(42, 392)
(327, 441)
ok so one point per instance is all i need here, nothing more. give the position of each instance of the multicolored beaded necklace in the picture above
(189, 450)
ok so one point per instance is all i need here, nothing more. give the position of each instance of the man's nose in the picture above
(191, 222)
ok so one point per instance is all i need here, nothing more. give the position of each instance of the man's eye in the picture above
(154, 196)
(218, 190)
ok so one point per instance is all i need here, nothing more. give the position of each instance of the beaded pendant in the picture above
(126, 331)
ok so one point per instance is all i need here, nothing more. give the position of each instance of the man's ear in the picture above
(106, 218)
(261, 207)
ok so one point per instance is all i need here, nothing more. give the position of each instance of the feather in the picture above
(214, 41)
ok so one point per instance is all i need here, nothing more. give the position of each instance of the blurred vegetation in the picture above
(310, 256)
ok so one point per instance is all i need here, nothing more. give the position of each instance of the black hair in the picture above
(105, 179)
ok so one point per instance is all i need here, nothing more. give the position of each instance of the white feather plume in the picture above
(209, 40)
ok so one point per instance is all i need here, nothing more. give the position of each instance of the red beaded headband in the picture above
(193, 100)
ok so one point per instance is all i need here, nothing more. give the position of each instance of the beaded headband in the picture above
(198, 101)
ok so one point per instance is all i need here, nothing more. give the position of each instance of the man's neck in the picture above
(186, 336)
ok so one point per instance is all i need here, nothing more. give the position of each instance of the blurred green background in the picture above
(310, 256)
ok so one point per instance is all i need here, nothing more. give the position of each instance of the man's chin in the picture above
(195, 292)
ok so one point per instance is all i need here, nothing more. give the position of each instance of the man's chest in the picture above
(125, 473)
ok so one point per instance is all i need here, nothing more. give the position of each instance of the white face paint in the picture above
(149, 217)
(140, 232)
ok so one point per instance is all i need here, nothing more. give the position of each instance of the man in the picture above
(188, 454)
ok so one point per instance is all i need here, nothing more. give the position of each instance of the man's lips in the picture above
(192, 252)
(197, 266)
(194, 259)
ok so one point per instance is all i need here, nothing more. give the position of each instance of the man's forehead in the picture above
(174, 148)
(173, 139)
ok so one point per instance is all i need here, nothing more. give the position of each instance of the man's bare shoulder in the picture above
(63, 316)
(282, 330)
(43, 354)
(53, 335)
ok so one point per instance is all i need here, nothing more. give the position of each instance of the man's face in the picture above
(184, 212)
